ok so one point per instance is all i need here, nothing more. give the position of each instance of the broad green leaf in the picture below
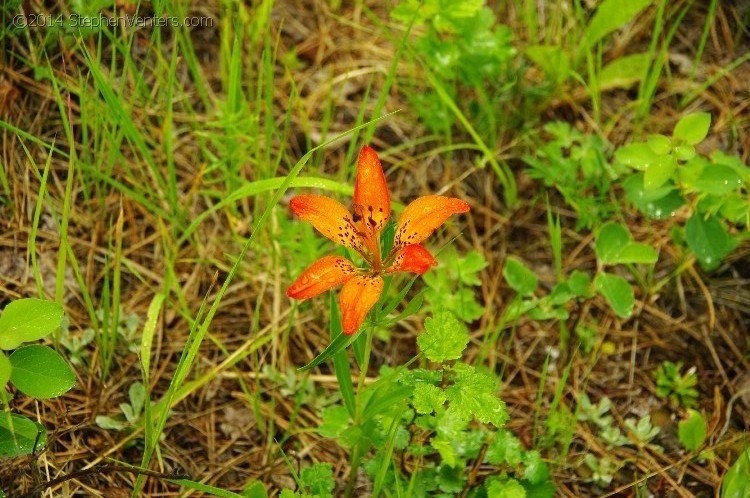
(718, 179)
(692, 430)
(519, 277)
(623, 72)
(660, 144)
(40, 372)
(638, 253)
(26, 320)
(535, 470)
(736, 482)
(444, 337)
(637, 155)
(475, 394)
(579, 283)
(5, 369)
(18, 435)
(505, 449)
(684, 152)
(660, 203)
(610, 240)
(255, 489)
(609, 16)
(659, 173)
(692, 128)
(427, 398)
(709, 240)
(618, 293)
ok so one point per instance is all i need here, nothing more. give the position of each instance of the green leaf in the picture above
(618, 293)
(658, 203)
(692, 430)
(609, 16)
(709, 240)
(475, 394)
(40, 372)
(554, 61)
(318, 479)
(684, 152)
(340, 360)
(637, 155)
(535, 470)
(341, 342)
(509, 488)
(736, 482)
(428, 398)
(335, 421)
(520, 278)
(610, 240)
(692, 128)
(659, 173)
(505, 449)
(623, 72)
(26, 320)
(718, 179)
(5, 369)
(18, 435)
(255, 489)
(660, 144)
(636, 252)
(579, 283)
(444, 338)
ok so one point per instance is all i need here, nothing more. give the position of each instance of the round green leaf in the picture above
(659, 173)
(692, 431)
(637, 155)
(610, 240)
(636, 252)
(692, 128)
(684, 152)
(709, 240)
(18, 435)
(40, 372)
(660, 144)
(520, 278)
(26, 320)
(618, 293)
(718, 180)
(4, 370)
(658, 203)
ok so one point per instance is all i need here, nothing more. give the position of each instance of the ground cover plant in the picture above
(409, 248)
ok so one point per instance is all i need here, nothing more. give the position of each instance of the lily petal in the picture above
(326, 273)
(372, 202)
(423, 216)
(329, 217)
(414, 258)
(358, 296)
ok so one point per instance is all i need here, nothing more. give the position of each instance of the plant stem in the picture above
(357, 452)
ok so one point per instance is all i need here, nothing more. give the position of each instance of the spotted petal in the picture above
(329, 217)
(326, 273)
(423, 216)
(414, 258)
(372, 202)
(358, 296)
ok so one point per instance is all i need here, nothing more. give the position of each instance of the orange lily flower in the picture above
(360, 230)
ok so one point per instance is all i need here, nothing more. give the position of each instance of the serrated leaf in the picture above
(444, 338)
(692, 430)
(709, 240)
(427, 398)
(692, 128)
(335, 421)
(535, 470)
(18, 435)
(618, 293)
(318, 479)
(736, 482)
(475, 394)
(26, 320)
(505, 449)
(519, 277)
(508, 488)
(40, 372)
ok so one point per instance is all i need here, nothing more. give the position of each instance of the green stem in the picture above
(357, 453)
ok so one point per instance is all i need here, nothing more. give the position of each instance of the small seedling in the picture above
(677, 387)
